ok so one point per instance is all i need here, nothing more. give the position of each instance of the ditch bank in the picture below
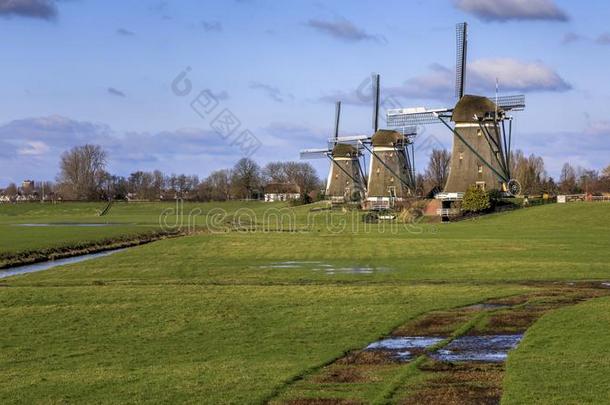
(11, 260)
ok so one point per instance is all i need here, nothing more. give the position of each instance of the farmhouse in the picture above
(282, 192)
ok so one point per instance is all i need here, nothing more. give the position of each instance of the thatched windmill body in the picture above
(391, 175)
(345, 182)
(482, 133)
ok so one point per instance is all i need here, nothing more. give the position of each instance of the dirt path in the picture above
(450, 357)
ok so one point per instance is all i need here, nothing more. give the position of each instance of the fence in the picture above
(562, 199)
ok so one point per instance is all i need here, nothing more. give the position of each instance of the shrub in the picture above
(495, 195)
(475, 200)
(304, 199)
(409, 216)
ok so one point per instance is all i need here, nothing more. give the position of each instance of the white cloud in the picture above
(599, 128)
(505, 10)
(184, 150)
(272, 92)
(33, 148)
(514, 75)
(587, 148)
(287, 133)
(437, 83)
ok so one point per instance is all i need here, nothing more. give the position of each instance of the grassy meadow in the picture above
(218, 317)
(563, 359)
(34, 228)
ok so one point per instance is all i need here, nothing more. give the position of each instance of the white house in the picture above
(282, 192)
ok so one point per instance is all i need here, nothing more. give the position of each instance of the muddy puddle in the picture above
(398, 343)
(404, 348)
(325, 267)
(493, 348)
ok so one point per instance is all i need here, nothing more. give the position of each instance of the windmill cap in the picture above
(387, 137)
(344, 150)
(469, 106)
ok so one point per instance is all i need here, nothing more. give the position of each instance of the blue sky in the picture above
(84, 71)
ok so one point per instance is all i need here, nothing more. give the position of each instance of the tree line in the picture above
(83, 176)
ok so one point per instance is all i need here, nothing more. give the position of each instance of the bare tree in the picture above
(422, 185)
(604, 180)
(274, 172)
(299, 173)
(246, 178)
(438, 169)
(117, 187)
(303, 175)
(82, 170)
(588, 180)
(216, 187)
(529, 171)
(11, 191)
(567, 179)
(158, 183)
(139, 183)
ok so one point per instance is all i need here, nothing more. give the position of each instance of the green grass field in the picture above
(207, 318)
(122, 219)
(564, 358)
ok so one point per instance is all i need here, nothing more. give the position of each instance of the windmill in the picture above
(391, 176)
(482, 132)
(345, 181)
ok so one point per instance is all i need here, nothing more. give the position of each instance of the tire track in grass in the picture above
(378, 376)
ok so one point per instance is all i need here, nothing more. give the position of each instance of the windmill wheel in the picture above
(514, 187)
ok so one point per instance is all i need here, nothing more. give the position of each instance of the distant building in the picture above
(27, 184)
(282, 192)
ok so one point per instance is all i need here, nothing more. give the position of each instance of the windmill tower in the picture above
(481, 139)
(391, 173)
(345, 181)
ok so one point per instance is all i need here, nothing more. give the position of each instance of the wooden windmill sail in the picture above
(482, 132)
(345, 181)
